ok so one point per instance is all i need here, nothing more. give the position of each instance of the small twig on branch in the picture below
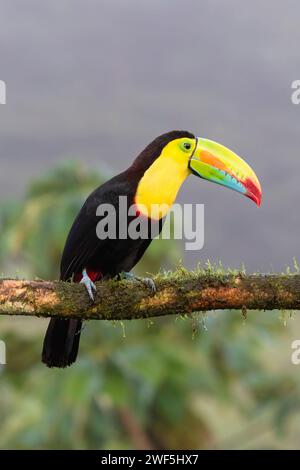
(181, 292)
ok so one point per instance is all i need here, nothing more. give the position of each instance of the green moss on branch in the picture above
(180, 292)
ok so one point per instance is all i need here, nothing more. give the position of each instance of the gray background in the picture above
(97, 80)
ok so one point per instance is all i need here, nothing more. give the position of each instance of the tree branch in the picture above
(181, 292)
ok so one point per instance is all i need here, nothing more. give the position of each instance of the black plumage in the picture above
(104, 258)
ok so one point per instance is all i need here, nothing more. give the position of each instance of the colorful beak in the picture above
(216, 163)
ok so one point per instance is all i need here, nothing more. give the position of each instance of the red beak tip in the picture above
(255, 198)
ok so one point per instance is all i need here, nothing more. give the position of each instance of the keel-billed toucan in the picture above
(154, 178)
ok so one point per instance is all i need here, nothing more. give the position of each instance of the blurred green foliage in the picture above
(217, 380)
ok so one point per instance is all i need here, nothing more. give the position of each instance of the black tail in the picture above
(61, 342)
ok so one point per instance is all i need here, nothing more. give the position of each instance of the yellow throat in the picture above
(158, 188)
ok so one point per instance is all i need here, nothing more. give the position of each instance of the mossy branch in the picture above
(181, 292)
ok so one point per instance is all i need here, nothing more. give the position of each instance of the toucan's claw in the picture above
(145, 280)
(90, 286)
(149, 283)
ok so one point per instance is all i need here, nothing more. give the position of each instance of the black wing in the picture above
(82, 242)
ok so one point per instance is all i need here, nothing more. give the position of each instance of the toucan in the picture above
(153, 180)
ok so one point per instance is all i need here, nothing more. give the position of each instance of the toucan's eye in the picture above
(186, 146)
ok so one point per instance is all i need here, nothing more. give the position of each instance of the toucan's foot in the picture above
(149, 283)
(90, 286)
(145, 280)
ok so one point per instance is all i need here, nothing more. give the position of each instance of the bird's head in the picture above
(170, 158)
